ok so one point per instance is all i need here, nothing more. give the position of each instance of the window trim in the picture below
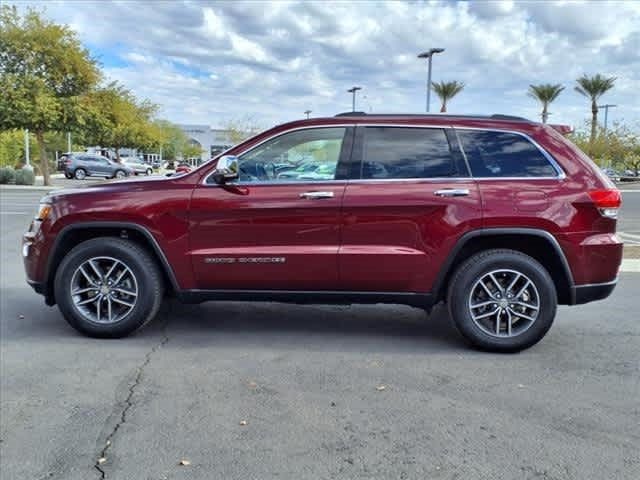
(561, 175)
(347, 142)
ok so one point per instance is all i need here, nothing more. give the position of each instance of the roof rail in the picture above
(351, 114)
(495, 116)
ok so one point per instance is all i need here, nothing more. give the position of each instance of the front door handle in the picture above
(316, 195)
(452, 192)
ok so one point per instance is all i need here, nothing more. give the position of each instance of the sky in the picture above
(215, 62)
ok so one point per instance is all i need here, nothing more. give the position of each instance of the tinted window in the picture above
(503, 154)
(304, 156)
(395, 152)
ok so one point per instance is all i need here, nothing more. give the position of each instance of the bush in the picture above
(7, 175)
(25, 176)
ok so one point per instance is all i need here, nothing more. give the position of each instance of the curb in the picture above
(630, 265)
(30, 187)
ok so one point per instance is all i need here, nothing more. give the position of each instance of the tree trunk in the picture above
(118, 154)
(594, 121)
(444, 107)
(44, 163)
(545, 113)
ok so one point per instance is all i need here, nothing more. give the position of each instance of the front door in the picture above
(411, 202)
(278, 226)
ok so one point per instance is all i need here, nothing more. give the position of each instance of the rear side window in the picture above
(503, 154)
(396, 152)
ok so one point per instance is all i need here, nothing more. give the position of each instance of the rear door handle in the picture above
(452, 192)
(316, 195)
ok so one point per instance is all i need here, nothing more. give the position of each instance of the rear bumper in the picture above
(592, 292)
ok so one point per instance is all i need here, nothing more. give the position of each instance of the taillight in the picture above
(608, 201)
(67, 162)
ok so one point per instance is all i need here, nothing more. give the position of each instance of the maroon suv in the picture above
(500, 217)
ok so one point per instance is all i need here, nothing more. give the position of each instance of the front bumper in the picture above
(592, 292)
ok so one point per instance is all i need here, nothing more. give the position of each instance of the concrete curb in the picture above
(30, 187)
(630, 265)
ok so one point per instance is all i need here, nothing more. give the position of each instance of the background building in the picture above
(211, 141)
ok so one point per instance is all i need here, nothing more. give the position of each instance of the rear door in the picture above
(278, 226)
(405, 208)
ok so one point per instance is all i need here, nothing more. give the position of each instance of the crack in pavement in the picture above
(128, 403)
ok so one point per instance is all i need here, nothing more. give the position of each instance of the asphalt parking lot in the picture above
(261, 391)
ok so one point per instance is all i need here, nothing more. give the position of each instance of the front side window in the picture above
(397, 152)
(302, 156)
(503, 154)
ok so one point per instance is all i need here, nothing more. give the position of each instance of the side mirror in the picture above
(226, 169)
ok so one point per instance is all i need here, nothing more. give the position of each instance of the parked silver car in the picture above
(82, 165)
(138, 166)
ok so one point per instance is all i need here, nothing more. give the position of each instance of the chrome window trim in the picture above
(561, 175)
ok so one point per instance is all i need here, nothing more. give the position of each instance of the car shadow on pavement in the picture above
(316, 327)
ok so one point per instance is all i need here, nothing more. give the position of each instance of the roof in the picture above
(495, 116)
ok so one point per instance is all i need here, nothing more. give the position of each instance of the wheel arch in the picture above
(538, 244)
(72, 235)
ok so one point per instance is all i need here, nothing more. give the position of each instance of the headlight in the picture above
(44, 210)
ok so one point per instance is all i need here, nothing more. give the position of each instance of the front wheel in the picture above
(120, 174)
(108, 287)
(502, 300)
(80, 174)
(149, 171)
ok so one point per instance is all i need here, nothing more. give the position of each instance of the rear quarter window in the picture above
(503, 154)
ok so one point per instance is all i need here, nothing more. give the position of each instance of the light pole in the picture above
(68, 141)
(353, 91)
(26, 147)
(429, 55)
(307, 112)
(606, 113)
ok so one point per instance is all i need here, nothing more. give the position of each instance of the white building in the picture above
(211, 141)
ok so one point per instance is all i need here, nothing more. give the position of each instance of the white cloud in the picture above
(205, 62)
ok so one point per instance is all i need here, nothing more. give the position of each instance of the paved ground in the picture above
(305, 380)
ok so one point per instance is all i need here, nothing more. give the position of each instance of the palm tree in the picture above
(593, 88)
(446, 91)
(545, 93)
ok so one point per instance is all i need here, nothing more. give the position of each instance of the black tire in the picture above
(466, 282)
(80, 174)
(149, 171)
(119, 174)
(68, 175)
(148, 281)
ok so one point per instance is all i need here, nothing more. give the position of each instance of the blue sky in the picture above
(211, 62)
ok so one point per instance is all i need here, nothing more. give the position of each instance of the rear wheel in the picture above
(68, 175)
(80, 174)
(149, 171)
(502, 300)
(120, 174)
(108, 287)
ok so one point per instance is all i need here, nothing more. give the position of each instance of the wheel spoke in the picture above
(118, 300)
(98, 308)
(522, 315)
(125, 291)
(87, 276)
(113, 267)
(482, 304)
(509, 322)
(524, 304)
(495, 282)
(486, 289)
(84, 290)
(521, 291)
(513, 282)
(485, 315)
(95, 269)
(122, 274)
(89, 300)
(109, 308)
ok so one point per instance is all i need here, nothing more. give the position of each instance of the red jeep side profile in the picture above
(500, 217)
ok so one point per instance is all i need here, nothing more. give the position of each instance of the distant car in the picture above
(183, 167)
(138, 166)
(82, 165)
(612, 174)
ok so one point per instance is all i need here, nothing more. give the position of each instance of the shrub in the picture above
(7, 175)
(25, 176)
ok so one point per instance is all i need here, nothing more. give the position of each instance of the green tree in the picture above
(446, 91)
(44, 72)
(116, 119)
(545, 93)
(593, 88)
(173, 141)
(241, 128)
(617, 147)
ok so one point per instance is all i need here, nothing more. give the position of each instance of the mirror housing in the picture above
(226, 169)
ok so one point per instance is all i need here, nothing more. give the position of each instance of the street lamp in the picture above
(429, 54)
(353, 91)
(606, 113)
(307, 112)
